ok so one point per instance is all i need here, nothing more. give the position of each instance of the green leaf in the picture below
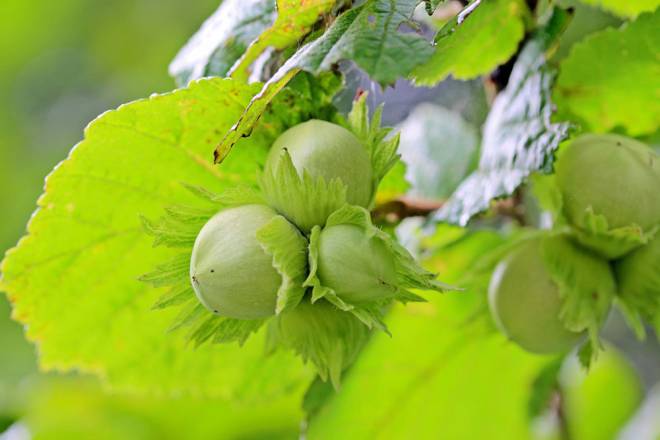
(439, 148)
(480, 38)
(609, 80)
(518, 137)
(444, 359)
(431, 378)
(625, 8)
(367, 34)
(294, 21)
(73, 279)
(288, 247)
(222, 39)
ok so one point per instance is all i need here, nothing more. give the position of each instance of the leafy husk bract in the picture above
(586, 285)
(323, 334)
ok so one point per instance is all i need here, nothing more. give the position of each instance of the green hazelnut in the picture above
(613, 176)
(357, 266)
(327, 150)
(231, 273)
(525, 302)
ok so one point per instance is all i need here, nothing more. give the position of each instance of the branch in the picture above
(393, 211)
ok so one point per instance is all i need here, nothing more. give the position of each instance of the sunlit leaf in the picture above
(73, 279)
(610, 79)
(629, 8)
(367, 34)
(481, 37)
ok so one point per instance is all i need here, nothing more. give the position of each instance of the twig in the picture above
(393, 211)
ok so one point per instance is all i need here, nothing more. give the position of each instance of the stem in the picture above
(393, 211)
(558, 405)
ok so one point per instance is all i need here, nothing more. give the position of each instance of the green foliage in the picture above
(626, 8)
(439, 149)
(437, 372)
(607, 78)
(294, 21)
(239, 32)
(518, 137)
(85, 281)
(480, 38)
(222, 39)
(74, 277)
(351, 36)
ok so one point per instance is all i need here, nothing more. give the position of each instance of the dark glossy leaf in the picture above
(518, 138)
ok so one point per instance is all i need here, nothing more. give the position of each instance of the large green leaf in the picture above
(610, 80)
(73, 278)
(367, 34)
(629, 8)
(444, 374)
(518, 136)
(222, 39)
(481, 37)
